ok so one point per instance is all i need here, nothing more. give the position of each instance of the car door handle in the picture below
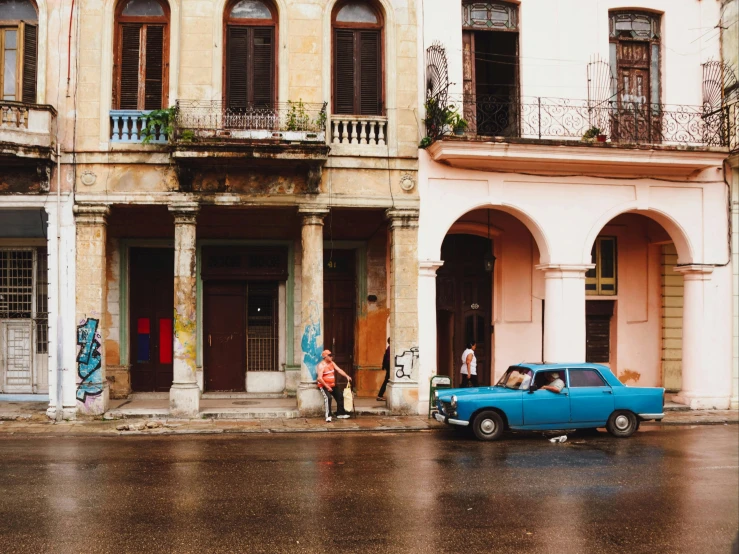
(606, 392)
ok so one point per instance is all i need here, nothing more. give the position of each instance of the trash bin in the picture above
(437, 382)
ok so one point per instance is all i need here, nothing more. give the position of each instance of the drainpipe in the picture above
(59, 333)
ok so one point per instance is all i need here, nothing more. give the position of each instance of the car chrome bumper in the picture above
(651, 416)
(444, 419)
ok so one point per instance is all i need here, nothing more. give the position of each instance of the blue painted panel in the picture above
(590, 404)
(544, 407)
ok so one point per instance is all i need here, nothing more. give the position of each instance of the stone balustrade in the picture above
(14, 116)
(359, 130)
(127, 126)
(25, 125)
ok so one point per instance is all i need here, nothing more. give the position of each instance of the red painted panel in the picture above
(143, 326)
(165, 341)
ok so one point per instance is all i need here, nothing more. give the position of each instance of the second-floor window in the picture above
(357, 59)
(141, 55)
(251, 27)
(18, 50)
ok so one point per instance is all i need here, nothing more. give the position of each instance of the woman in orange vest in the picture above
(327, 385)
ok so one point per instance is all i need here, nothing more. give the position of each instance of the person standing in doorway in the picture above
(386, 367)
(326, 377)
(469, 365)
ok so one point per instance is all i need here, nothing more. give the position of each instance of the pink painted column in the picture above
(184, 396)
(706, 368)
(426, 330)
(564, 312)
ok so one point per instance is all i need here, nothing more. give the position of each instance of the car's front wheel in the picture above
(488, 426)
(622, 424)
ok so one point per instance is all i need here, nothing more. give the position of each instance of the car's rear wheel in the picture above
(622, 424)
(488, 426)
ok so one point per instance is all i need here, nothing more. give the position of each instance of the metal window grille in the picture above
(41, 318)
(16, 284)
(262, 337)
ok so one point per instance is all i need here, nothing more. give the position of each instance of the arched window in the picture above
(357, 60)
(18, 50)
(141, 55)
(251, 27)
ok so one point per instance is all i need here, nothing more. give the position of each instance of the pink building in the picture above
(579, 212)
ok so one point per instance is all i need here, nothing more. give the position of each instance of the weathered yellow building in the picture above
(244, 177)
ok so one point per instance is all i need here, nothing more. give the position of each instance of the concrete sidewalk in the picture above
(31, 423)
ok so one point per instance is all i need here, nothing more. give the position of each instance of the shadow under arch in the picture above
(685, 249)
(528, 221)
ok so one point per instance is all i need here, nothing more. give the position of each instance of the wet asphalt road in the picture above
(664, 490)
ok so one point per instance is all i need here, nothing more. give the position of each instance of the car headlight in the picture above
(454, 401)
(436, 395)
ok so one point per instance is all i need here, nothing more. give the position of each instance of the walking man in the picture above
(386, 367)
(327, 385)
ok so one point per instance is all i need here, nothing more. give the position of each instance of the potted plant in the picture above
(594, 134)
(457, 123)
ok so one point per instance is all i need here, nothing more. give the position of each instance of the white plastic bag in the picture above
(348, 398)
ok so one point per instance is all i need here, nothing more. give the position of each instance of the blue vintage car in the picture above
(525, 399)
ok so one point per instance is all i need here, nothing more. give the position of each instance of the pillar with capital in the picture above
(706, 367)
(184, 396)
(311, 340)
(403, 388)
(426, 329)
(92, 392)
(564, 312)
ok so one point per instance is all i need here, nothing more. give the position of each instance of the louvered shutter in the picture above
(30, 63)
(236, 79)
(344, 72)
(262, 77)
(128, 97)
(369, 73)
(153, 90)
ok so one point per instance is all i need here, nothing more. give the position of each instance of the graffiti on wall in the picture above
(90, 381)
(405, 363)
(312, 343)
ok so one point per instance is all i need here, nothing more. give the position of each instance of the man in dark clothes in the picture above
(386, 367)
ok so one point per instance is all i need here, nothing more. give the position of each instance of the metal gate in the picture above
(261, 330)
(24, 341)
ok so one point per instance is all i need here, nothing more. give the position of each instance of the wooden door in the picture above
(464, 293)
(598, 314)
(339, 311)
(224, 336)
(152, 305)
(634, 120)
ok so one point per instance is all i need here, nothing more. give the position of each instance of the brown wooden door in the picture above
(152, 306)
(339, 312)
(464, 304)
(635, 120)
(224, 336)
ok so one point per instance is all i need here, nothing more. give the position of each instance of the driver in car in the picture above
(555, 384)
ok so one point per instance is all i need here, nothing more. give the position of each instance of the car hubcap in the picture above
(622, 422)
(487, 426)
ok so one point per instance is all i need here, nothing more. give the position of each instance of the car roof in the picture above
(539, 366)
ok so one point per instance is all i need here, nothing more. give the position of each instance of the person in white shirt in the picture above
(555, 383)
(469, 365)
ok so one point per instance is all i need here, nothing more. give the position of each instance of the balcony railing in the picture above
(27, 125)
(361, 130)
(127, 125)
(283, 122)
(565, 119)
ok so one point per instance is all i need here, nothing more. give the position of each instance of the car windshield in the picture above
(517, 378)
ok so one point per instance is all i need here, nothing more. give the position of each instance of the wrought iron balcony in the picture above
(620, 122)
(198, 121)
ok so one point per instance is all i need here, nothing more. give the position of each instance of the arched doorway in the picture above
(488, 290)
(634, 302)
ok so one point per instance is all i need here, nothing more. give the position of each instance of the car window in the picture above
(586, 378)
(541, 378)
(516, 378)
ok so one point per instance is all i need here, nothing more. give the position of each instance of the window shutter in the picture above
(30, 63)
(236, 80)
(263, 66)
(369, 73)
(129, 68)
(344, 71)
(154, 67)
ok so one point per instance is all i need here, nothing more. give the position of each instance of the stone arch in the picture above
(685, 249)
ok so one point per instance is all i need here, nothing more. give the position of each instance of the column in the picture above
(311, 287)
(91, 386)
(403, 391)
(426, 330)
(706, 370)
(184, 396)
(564, 312)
